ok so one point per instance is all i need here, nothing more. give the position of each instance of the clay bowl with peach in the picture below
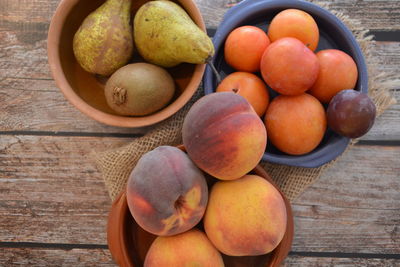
(85, 91)
(129, 243)
(333, 34)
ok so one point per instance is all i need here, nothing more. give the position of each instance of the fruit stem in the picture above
(119, 95)
(179, 203)
(211, 64)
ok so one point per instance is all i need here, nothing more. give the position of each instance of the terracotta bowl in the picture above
(129, 243)
(333, 34)
(85, 90)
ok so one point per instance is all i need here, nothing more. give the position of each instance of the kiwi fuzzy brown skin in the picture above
(139, 89)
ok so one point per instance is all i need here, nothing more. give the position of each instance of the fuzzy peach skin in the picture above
(245, 217)
(224, 136)
(189, 249)
(166, 193)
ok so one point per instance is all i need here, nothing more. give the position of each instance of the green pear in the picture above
(104, 42)
(165, 35)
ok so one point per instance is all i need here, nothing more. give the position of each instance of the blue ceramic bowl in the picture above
(333, 34)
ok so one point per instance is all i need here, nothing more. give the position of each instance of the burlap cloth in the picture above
(117, 164)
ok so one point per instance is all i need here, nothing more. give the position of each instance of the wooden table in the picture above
(53, 203)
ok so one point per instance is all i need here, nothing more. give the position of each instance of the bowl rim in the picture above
(235, 16)
(53, 42)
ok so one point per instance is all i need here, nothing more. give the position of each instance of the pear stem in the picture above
(211, 64)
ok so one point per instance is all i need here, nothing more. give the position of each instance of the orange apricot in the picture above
(337, 72)
(297, 24)
(248, 85)
(295, 124)
(289, 67)
(244, 47)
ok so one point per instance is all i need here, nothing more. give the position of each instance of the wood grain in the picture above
(23, 49)
(342, 262)
(382, 15)
(102, 258)
(35, 104)
(31, 100)
(53, 195)
(46, 110)
(55, 257)
(37, 11)
(387, 126)
(51, 192)
(348, 195)
(23, 60)
(354, 206)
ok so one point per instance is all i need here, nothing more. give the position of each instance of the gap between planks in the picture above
(311, 254)
(136, 135)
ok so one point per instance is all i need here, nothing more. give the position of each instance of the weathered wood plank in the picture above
(382, 15)
(375, 171)
(55, 257)
(37, 11)
(355, 205)
(23, 60)
(51, 192)
(37, 104)
(46, 110)
(102, 257)
(387, 126)
(387, 55)
(24, 25)
(296, 261)
(23, 67)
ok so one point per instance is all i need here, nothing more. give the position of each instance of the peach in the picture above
(224, 136)
(248, 85)
(337, 72)
(289, 67)
(244, 47)
(191, 248)
(166, 193)
(297, 24)
(295, 124)
(245, 217)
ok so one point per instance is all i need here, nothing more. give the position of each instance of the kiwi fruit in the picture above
(139, 89)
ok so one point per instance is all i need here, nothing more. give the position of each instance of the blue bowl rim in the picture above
(236, 15)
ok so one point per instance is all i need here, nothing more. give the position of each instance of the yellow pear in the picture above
(165, 35)
(103, 42)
